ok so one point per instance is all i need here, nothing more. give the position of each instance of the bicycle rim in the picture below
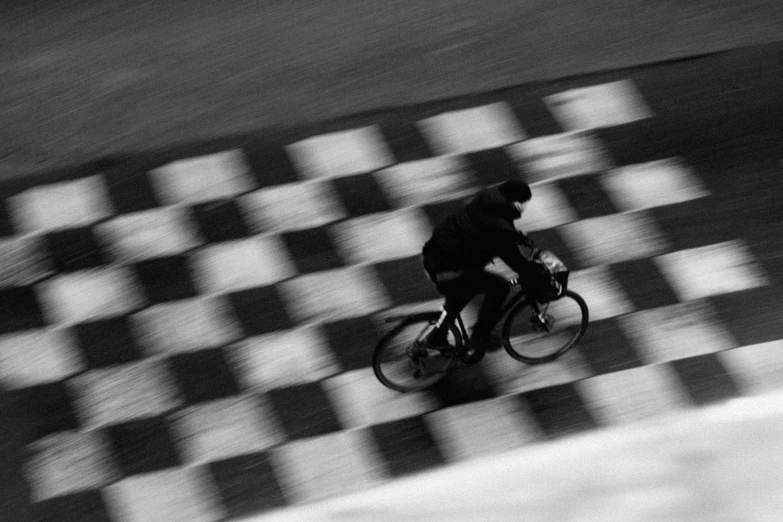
(394, 367)
(533, 344)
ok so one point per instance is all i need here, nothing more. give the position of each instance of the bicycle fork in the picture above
(541, 321)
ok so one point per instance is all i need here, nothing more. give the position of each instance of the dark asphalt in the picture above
(83, 79)
(14, 498)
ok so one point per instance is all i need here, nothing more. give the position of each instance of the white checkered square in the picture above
(676, 332)
(652, 184)
(186, 325)
(226, 428)
(548, 208)
(423, 181)
(602, 105)
(125, 392)
(203, 178)
(604, 296)
(341, 153)
(184, 494)
(615, 238)
(483, 428)
(237, 265)
(758, 367)
(509, 376)
(152, 233)
(559, 156)
(360, 402)
(329, 465)
(380, 237)
(69, 462)
(38, 356)
(22, 261)
(470, 130)
(85, 295)
(283, 359)
(711, 270)
(637, 394)
(67, 204)
(292, 206)
(334, 294)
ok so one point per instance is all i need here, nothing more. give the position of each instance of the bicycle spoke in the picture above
(539, 333)
(398, 369)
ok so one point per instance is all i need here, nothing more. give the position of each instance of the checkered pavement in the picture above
(189, 335)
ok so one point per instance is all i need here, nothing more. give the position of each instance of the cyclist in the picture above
(461, 247)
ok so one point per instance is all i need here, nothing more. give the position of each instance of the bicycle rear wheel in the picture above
(528, 339)
(397, 369)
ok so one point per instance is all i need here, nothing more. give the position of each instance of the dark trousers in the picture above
(459, 291)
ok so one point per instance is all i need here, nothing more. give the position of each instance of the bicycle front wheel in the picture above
(536, 333)
(398, 369)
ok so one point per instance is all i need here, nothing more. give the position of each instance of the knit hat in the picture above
(515, 190)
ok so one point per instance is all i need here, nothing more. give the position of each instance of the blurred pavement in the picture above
(84, 79)
(87, 79)
(721, 463)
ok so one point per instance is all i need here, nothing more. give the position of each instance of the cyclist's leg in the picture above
(458, 293)
(458, 290)
(496, 290)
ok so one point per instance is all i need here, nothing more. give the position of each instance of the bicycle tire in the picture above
(518, 333)
(418, 325)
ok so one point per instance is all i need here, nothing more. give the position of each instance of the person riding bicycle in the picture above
(461, 247)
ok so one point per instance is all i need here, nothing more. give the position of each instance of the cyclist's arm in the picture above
(522, 239)
(511, 255)
(529, 274)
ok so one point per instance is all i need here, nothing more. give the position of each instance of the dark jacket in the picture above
(473, 236)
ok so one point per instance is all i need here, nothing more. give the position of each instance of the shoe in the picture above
(422, 359)
(437, 339)
(488, 341)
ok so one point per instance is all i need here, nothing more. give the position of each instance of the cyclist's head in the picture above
(517, 192)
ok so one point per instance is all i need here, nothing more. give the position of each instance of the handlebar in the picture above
(535, 256)
(525, 241)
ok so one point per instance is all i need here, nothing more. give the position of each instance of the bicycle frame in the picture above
(423, 365)
(511, 303)
(517, 298)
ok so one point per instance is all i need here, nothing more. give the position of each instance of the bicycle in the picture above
(403, 362)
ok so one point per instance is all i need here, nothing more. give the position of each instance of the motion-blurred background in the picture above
(84, 80)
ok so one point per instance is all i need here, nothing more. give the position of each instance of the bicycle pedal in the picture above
(472, 356)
